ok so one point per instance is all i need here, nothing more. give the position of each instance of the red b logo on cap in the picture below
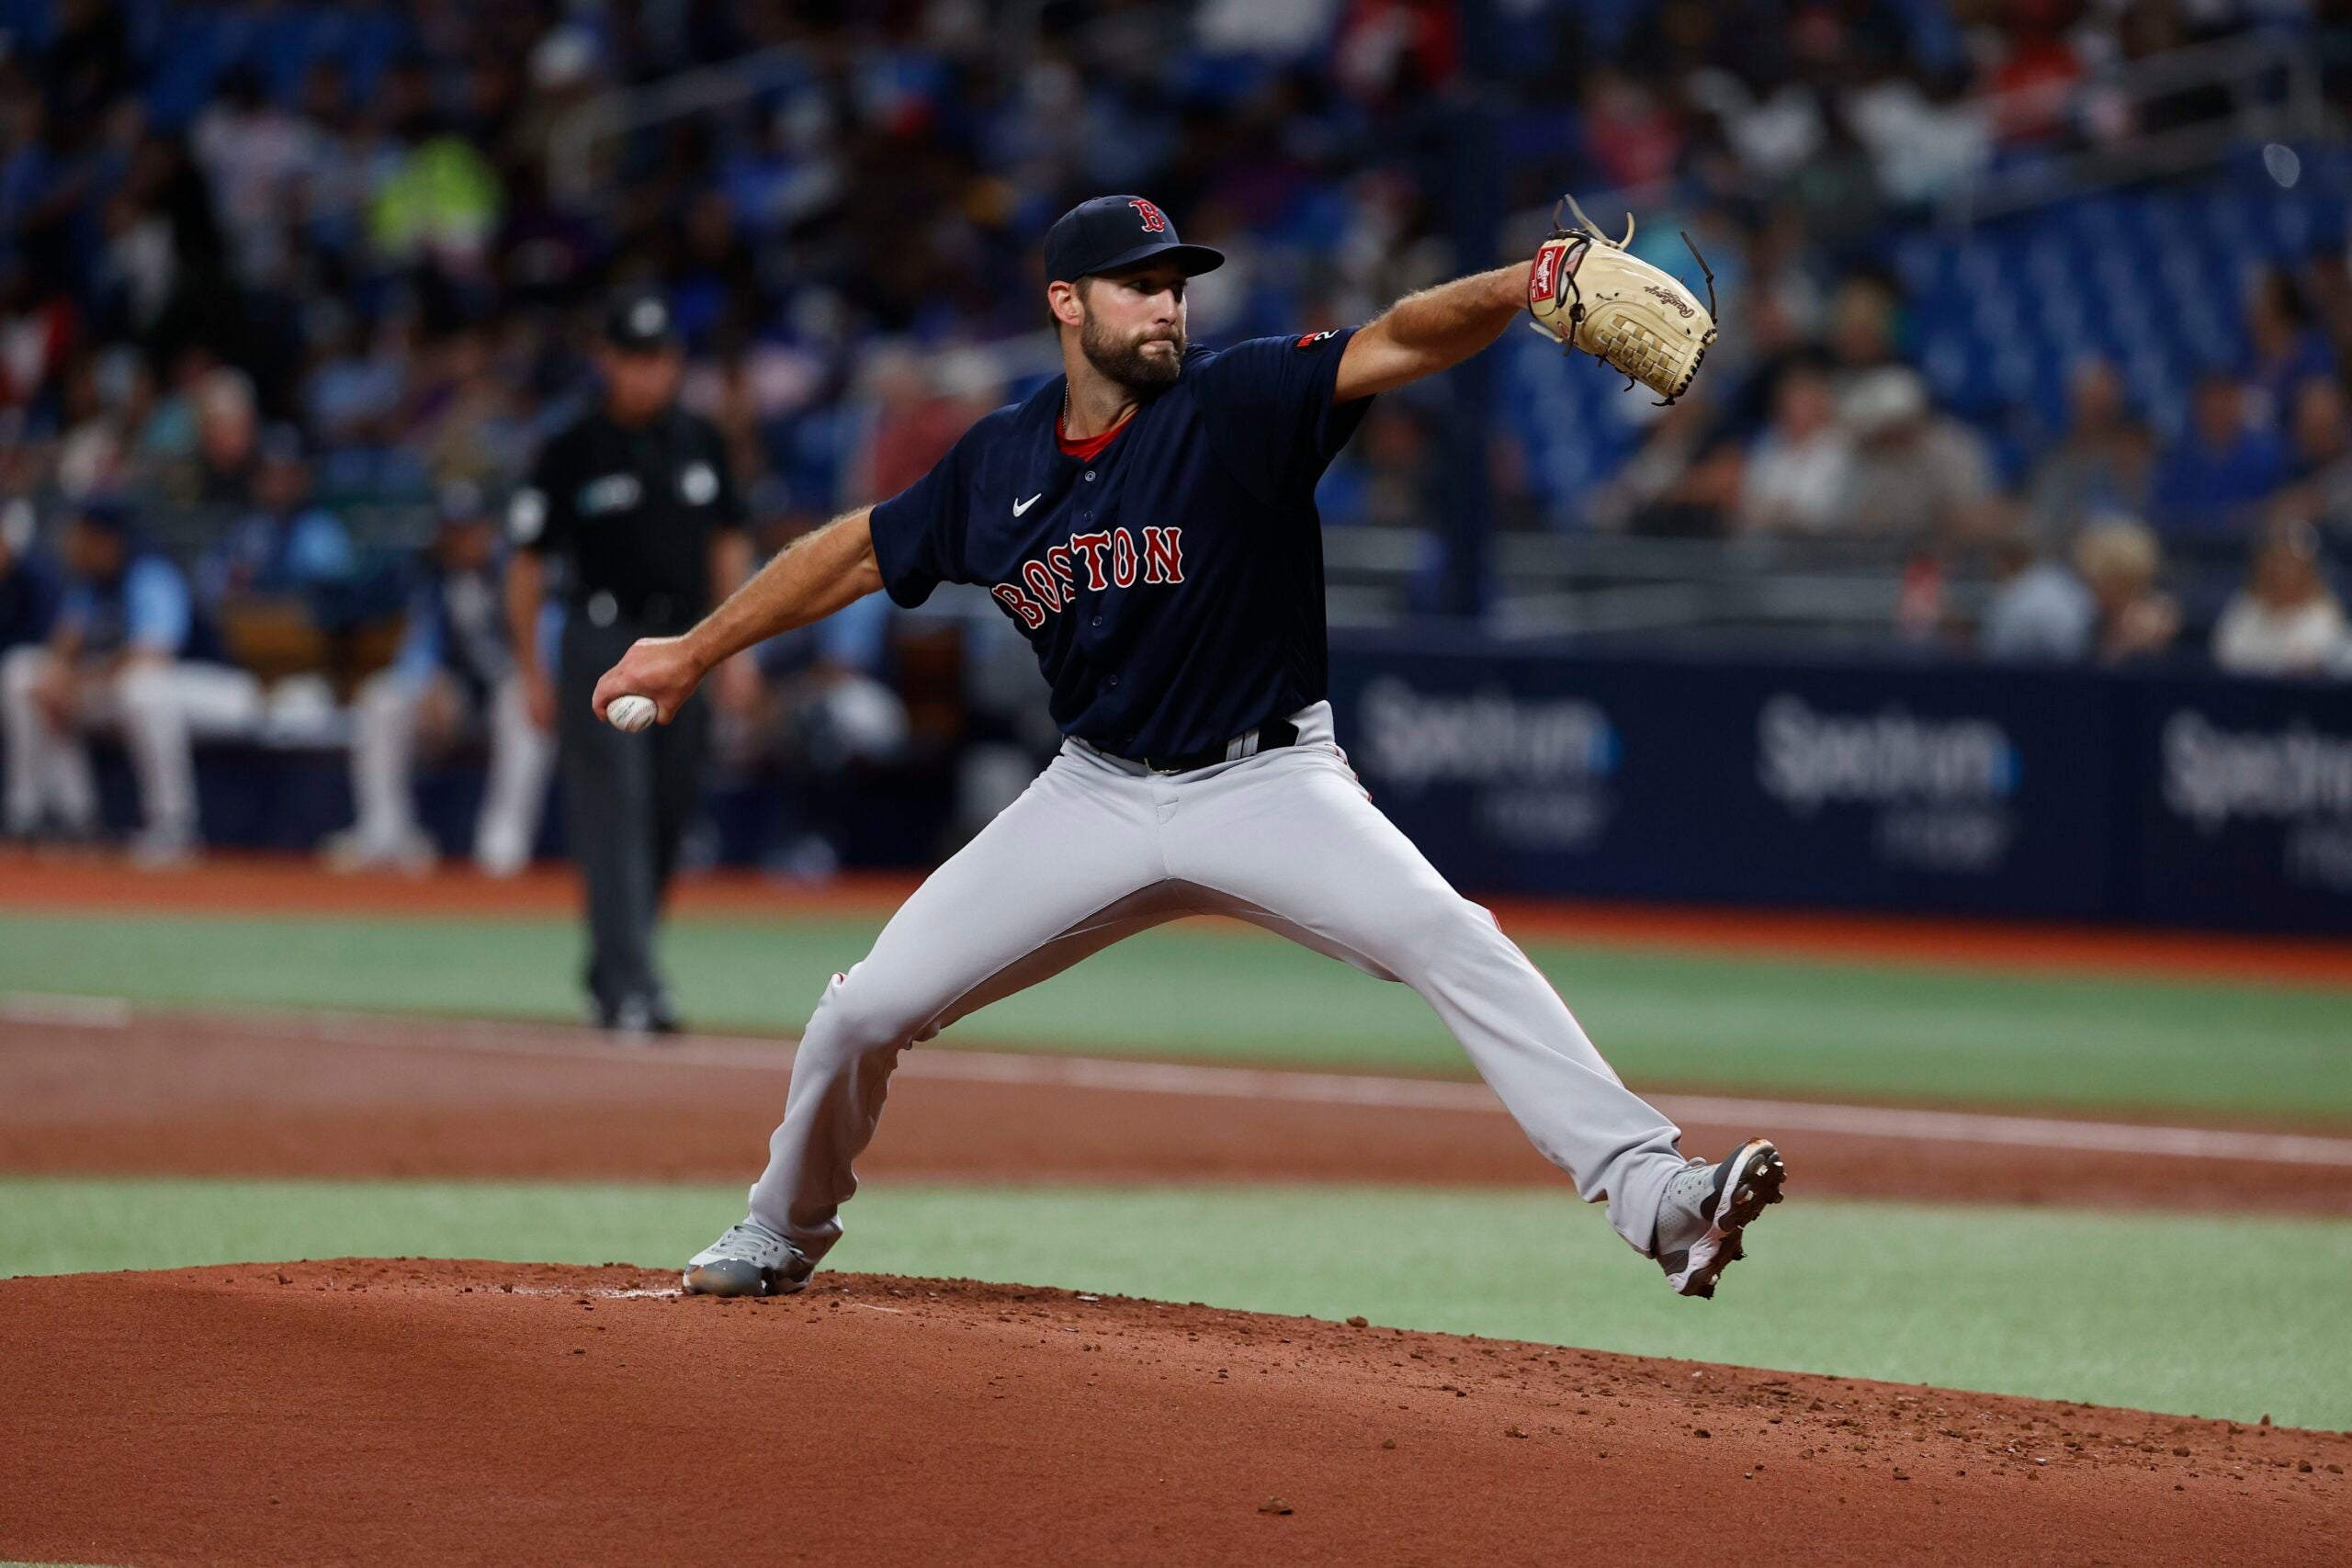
(1153, 223)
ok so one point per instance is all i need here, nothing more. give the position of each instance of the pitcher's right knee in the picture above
(854, 1019)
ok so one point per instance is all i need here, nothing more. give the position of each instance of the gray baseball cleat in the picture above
(1706, 1209)
(748, 1260)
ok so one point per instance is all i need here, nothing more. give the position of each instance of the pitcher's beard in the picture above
(1126, 363)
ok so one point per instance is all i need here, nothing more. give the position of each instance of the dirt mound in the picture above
(407, 1411)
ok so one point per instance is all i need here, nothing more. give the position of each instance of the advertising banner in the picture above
(1928, 788)
(2244, 817)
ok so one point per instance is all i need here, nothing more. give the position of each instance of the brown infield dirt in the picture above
(378, 1412)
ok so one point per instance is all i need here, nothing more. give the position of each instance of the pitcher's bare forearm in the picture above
(1431, 331)
(808, 581)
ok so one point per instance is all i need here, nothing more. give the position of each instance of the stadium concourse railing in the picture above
(1735, 595)
(2264, 87)
(1789, 593)
(2258, 88)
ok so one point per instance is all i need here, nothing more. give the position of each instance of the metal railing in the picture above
(573, 139)
(2270, 79)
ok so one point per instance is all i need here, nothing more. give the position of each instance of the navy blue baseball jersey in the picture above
(1172, 582)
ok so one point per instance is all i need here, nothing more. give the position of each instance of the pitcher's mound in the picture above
(365, 1411)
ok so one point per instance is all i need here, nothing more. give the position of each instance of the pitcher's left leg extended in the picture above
(1293, 841)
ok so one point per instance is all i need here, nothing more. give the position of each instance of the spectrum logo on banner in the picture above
(1538, 767)
(2296, 777)
(1937, 789)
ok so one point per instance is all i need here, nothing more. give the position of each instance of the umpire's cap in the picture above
(1112, 232)
(639, 320)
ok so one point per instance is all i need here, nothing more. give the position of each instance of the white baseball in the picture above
(631, 714)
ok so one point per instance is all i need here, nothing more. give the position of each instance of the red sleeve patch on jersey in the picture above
(1311, 339)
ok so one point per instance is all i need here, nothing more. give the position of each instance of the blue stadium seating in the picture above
(2154, 279)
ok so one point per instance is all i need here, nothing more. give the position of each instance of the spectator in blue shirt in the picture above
(452, 678)
(2287, 347)
(2213, 482)
(127, 653)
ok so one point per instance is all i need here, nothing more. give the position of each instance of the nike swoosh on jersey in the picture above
(1020, 506)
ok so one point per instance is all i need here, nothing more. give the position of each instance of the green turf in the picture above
(2218, 1316)
(1797, 1026)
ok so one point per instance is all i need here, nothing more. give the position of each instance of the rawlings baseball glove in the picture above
(1586, 292)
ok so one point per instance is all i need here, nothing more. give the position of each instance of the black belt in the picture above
(1272, 736)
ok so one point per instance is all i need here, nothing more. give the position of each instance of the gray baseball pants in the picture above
(1098, 849)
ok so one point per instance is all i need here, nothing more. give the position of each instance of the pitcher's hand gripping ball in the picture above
(629, 714)
(1585, 291)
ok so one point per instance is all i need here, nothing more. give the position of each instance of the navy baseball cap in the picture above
(639, 320)
(1112, 232)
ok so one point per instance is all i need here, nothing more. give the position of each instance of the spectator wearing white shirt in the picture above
(2040, 612)
(2286, 620)
(1797, 477)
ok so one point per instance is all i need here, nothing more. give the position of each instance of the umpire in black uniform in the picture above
(632, 520)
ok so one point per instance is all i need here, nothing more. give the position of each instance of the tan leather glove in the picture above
(1586, 292)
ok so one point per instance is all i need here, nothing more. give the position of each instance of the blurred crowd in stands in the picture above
(275, 277)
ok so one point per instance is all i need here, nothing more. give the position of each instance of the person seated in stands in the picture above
(2286, 620)
(2119, 561)
(288, 546)
(2318, 433)
(2041, 611)
(1798, 471)
(130, 654)
(1684, 483)
(1914, 468)
(29, 584)
(452, 678)
(2289, 348)
(2212, 483)
(198, 445)
(2103, 462)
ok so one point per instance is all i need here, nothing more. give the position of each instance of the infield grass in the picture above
(2222, 1316)
(1792, 1026)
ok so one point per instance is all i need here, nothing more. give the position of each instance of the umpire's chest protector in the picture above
(1170, 579)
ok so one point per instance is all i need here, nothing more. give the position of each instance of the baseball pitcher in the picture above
(1147, 519)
